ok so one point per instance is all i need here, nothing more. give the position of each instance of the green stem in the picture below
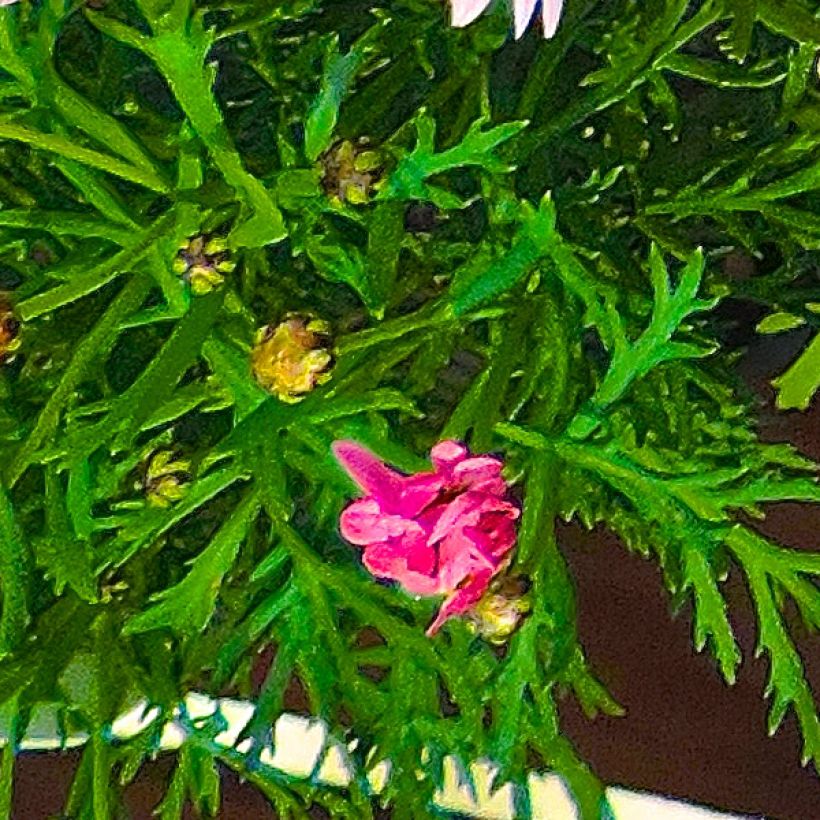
(391, 330)
(65, 223)
(65, 148)
(182, 64)
(90, 281)
(15, 570)
(100, 777)
(12, 722)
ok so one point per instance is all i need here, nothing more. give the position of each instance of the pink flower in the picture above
(465, 11)
(446, 532)
(7, 2)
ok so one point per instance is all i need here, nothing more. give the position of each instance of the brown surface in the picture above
(44, 778)
(686, 733)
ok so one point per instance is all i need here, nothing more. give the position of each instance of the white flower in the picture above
(465, 11)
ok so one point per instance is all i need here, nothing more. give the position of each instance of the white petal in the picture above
(523, 15)
(551, 15)
(463, 12)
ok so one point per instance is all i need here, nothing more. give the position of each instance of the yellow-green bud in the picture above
(292, 358)
(9, 331)
(351, 174)
(201, 261)
(502, 609)
(166, 478)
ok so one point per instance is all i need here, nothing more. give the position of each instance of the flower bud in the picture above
(292, 358)
(501, 610)
(166, 478)
(201, 261)
(351, 174)
(9, 332)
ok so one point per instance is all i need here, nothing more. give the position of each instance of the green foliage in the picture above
(531, 263)
(15, 572)
(797, 385)
(187, 607)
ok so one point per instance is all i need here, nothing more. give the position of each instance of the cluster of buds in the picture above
(9, 332)
(501, 610)
(202, 261)
(165, 479)
(351, 173)
(291, 358)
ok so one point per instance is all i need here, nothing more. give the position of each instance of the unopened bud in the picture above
(501, 611)
(351, 173)
(292, 358)
(9, 332)
(166, 478)
(202, 261)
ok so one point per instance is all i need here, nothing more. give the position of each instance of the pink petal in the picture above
(463, 12)
(447, 454)
(430, 515)
(418, 491)
(461, 600)
(551, 16)
(411, 568)
(460, 557)
(479, 542)
(369, 472)
(472, 509)
(364, 522)
(493, 541)
(456, 513)
(523, 11)
(481, 473)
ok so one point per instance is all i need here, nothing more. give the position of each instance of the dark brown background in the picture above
(686, 734)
